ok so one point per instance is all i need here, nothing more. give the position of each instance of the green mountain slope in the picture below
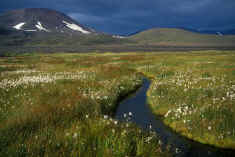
(179, 37)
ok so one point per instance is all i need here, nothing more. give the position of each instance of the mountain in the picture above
(45, 30)
(181, 37)
(40, 27)
(41, 20)
(201, 31)
(211, 31)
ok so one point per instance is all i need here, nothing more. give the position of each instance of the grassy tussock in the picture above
(196, 96)
(61, 105)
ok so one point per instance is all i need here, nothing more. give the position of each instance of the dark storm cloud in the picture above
(126, 16)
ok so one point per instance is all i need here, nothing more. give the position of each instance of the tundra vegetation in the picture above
(62, 104)
(195, 95)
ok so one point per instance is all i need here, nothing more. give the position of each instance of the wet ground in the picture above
(139, 112)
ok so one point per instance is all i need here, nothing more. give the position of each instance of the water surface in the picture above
(143, 117)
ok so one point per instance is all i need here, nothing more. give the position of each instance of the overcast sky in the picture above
(127, 16)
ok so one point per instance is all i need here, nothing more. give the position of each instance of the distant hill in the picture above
(45, 30)
(180, 37)
(212, 31)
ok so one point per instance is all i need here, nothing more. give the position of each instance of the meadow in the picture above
(195, 95)
(62, 104)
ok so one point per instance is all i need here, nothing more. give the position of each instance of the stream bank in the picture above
(144, 118)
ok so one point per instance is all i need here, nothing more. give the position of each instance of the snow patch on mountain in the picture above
(118, 36)
(40, 27)
(31, 30)
(219, 33)
(76, 27)
(19, 26)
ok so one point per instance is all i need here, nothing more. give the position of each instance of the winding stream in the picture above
(143, 117)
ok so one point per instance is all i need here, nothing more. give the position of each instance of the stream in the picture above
(141, 115)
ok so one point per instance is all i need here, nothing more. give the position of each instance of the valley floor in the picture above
(62, 104)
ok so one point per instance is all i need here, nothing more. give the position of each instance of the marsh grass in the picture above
(58, 104)
(62, 104)
(197, 99)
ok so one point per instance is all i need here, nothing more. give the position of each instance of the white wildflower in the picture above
(209, 127)
(105, 117)
(75, 135)
(166, 115)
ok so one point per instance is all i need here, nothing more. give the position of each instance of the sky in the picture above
(129, 16)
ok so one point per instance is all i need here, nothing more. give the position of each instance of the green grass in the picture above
(180, 37)
(62, 105)
(197, 98)
(157, 39)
